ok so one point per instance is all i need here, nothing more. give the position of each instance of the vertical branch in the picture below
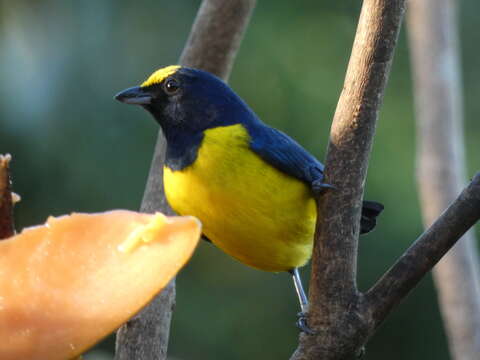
(212, 45)
(350, 143)
(334, 300)
(441, 163)
(7, 228)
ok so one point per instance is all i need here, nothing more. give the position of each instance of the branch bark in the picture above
(216, 35)
(343, 318)
(441, 163)
(420, 258)
(212, 46)
(7, 228)
(334, 299)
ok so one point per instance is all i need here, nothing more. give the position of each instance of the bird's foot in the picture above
(302, 324)
(319, 187)
(361, 352)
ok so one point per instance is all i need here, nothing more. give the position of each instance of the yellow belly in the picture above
(257, 214)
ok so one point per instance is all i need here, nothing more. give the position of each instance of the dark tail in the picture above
(370, 211)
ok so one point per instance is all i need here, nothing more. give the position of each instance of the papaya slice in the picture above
(69, 283)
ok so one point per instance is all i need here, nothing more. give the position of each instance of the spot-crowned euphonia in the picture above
(251, 185)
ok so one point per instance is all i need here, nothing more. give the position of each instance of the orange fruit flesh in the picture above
(69, 283)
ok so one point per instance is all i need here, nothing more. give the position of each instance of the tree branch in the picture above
(7, 228)
(433, 38)
(212, 45)
(350, 144)
(216, 36)
(343, 318)
(420, 258)
(334, 298)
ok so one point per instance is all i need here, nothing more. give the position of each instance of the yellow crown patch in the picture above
(158, 76)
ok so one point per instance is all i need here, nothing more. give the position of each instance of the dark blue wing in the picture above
(285, 154)
(288, 156)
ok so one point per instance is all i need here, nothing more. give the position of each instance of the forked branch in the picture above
(343, 318)
(335, 306)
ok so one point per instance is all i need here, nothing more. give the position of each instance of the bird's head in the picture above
(186, 100)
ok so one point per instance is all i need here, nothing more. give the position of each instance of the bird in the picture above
(252, 186)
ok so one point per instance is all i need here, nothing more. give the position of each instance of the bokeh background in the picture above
(76, 149)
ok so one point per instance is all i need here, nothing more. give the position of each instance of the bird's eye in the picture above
(171, 86)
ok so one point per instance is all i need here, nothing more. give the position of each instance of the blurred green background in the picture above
(76, 149)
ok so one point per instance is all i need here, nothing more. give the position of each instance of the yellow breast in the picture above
(252, 211)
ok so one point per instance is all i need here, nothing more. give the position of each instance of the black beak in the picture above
(134, 95)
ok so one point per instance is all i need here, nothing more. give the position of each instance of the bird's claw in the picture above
(302, 324)
(361, 352)
(319, 187)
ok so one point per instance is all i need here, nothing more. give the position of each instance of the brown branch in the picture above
(212, 45)
(343, 318)
(216, 35)
(333, 293)
(420, 258)
(7, 228)
(433, 38)
(350, 144)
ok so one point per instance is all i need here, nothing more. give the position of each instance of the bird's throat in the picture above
(182, 149)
